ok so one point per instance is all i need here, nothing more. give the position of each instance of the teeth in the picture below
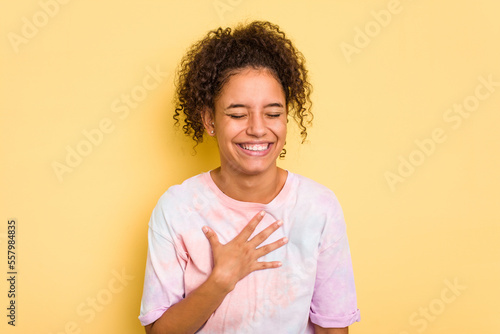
(262, 147)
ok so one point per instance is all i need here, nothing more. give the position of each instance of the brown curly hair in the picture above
(209, 63)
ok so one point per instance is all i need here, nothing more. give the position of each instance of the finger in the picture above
(264, 234)
(250, 227)
(266, 265)
(261, 251)
(211, 236)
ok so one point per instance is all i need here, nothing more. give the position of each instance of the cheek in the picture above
(281, 129)
(227, 132)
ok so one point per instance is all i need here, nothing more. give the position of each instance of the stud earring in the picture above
(212, 132)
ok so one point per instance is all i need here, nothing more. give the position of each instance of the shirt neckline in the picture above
(278, 200)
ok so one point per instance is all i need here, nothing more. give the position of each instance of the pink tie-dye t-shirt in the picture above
(314, 284)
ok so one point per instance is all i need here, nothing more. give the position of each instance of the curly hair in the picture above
(210, 62)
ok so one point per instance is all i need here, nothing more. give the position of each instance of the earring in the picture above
(212, 132)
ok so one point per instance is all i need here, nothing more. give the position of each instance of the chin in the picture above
(255, 170)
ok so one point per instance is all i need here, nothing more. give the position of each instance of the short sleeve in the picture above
(334, 302)
(163, 281)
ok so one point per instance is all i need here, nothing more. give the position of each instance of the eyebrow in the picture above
(239, 105)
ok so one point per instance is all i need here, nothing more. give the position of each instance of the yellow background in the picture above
(438, 225)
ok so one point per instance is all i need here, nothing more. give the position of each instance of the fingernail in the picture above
(279, 222)
(285, 240)
(262, 213)
(279, 264)
(204, 229)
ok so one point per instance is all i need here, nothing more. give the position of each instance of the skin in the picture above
(321, 330)
(250, 110)
(232, 262)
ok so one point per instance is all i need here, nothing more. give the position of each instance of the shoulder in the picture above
(183, 192)
(320, 206)
(318, 201)
(313, 190)
(178, 201)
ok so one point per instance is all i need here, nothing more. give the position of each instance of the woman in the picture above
(247, 247)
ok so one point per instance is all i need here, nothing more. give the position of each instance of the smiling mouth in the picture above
(255, 147)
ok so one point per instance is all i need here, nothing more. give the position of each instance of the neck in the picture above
(260, 188)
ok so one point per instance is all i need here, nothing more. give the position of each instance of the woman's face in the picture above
(250, 122)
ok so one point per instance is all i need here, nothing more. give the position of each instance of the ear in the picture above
(208, 117)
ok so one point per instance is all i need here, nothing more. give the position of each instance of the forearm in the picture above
(232, 262)
(189, 314)
(321, 330)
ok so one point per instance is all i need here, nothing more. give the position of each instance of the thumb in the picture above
(211, 236)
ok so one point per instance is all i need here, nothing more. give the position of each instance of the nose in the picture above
(256, 126)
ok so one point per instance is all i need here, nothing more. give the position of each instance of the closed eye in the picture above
(236, 116)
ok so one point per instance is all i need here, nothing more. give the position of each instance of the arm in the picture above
(232, 262)
(334, 306)
(321, 330)
(191, 313)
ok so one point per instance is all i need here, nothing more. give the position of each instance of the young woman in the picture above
(247, 247)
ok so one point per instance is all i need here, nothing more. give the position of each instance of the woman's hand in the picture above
(232, 262)
(238, 258)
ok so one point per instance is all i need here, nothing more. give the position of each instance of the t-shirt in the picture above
(314, 284)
